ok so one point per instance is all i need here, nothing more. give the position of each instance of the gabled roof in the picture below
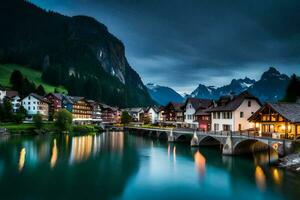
(234, 102)
(74, 99)
(58, 96)
(38, 97)
(177, 106)
(137, 109)
(199, 103)
(11, 94)
(290, 111)
(200, 112)
(155, 108)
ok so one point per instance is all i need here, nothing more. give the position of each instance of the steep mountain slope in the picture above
(76, 52)
(270, 87)
(163, 95)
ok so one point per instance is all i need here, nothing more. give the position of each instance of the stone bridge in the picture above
(232, 143)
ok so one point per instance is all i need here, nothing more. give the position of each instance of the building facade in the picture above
(277, 120)
(191, 106)
(96, 111)
(36, 104)
(232, 112)
(153, 114)
(55, 100)
(15, 99)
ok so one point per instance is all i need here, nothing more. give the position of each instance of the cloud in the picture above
(182, 43)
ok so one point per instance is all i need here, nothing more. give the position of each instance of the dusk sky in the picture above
(181, 43)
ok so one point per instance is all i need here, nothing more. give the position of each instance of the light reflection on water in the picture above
(260, 178)
(200, 163)
(130, 167)
(54, 154)
(22, 159)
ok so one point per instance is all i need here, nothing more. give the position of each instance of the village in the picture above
(231, 113)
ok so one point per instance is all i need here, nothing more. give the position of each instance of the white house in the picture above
(36, 104)
(135, 113)
(153, 113)
(232, 112)
(2, 94)
(15, 100)
(191, 106)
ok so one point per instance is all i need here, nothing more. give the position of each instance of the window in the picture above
(226, 127)
(216, 127)
(218, 115)
(241, 114)
(33, 108)
(28, 107)
(240, 127)
(214, 115)
(249, 103)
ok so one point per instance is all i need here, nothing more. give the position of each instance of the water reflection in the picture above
(22, 159)
(200, 163)
(260, 178)
(276, 175)
(54, 154)
(123, 166)
(81, 148)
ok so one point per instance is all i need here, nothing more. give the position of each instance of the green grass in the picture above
(32, 75)
(24, 126)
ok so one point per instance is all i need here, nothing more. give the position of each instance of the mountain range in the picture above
(76, 52)
(270, 87)
(162, 94)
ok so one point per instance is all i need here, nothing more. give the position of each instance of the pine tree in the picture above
(40, 90)
(293, 90)
(16, 80)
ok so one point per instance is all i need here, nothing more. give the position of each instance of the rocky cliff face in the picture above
(77, 52)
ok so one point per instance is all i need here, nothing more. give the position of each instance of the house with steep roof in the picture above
(15, 99)
(36, 104)
(277, 120)
(136, 113)
(173, 113)
(232, 112)
(96, 111)
(55, 100)
(110, 115)
(153, 113)
(190, 107)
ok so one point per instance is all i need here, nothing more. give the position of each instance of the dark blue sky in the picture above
(181, 43)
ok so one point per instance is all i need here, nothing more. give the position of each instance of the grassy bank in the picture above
(48, 127)
(26, 127)
(31, 74)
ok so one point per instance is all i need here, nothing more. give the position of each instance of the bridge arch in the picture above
(153, 134)
(254, 145)
(163, 135)
(210, 140)
(183, 138)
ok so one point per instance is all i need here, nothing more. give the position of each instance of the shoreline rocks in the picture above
(291, 162)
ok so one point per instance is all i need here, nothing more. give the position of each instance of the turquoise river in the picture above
(117, 165)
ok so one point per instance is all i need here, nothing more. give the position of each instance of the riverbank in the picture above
(49, 127)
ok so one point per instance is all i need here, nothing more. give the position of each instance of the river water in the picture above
(119, 165)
